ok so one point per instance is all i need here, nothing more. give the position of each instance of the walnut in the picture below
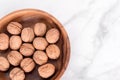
(52, 36)
(27, 64)
(40, 29)
(53, 51)
(15, 42)
(40, 57)
(27, 49)
(4, 41)
(17, 74)
(14, 57)
(47, 70)
(14, 28)
(27, 35)
(40, 43)
(4, 64)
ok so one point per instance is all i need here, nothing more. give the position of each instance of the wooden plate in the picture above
(28, 18)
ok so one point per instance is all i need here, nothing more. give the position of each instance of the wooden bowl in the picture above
(28, 18)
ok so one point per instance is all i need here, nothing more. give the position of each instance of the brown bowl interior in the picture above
(28, 18)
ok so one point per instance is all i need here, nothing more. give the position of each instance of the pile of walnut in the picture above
(31, 43)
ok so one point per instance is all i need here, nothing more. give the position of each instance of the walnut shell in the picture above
(40, 57)
(4, 41)
(40, 29)
(17, 74)
(14, 28)
(40, 43)
(27, 35)
(4, 64)
(27, 49)
(14, 57)
(47, 70)
(27, 64)
(53, 51)
(15, 42)
(52, 36)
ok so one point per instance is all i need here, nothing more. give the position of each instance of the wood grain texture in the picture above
(28, 18)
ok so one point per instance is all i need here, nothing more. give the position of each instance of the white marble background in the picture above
(93, 27)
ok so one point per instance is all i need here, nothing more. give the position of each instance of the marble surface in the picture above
(93, 27)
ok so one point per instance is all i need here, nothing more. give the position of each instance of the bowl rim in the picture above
(22, 11)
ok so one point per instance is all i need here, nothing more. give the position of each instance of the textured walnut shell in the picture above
(4, 41)
(52, 36)
(14, 28)
(27, 64)
(14, 57)
(15, 42)
(17, 74)
(40, 57)
(4, 64)
(47, 70)
(27, 35)
(53, 51)
(27, 49)
(40, 43)
(40, 29)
